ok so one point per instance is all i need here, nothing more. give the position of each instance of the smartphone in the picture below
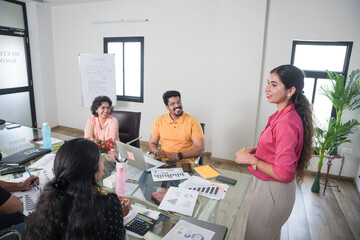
(226, 180)
(11, 126)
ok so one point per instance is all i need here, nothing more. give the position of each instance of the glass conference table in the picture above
(222, 212)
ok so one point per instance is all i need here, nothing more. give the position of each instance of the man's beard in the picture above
(178, 114)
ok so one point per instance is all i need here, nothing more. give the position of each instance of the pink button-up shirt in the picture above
(110, 129)
(280, 144)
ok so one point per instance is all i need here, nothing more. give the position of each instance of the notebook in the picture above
(207, 171)
(159, 195)
(24, 156)
(136, 157)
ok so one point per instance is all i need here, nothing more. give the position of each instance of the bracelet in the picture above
(255, 167)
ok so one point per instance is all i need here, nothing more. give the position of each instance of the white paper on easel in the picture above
(97, 72)
(179, 200)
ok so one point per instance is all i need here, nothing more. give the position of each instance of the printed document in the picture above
(179, 200)
(184, 230)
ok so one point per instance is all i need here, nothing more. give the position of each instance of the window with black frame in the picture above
(314, 58)
(129, 66)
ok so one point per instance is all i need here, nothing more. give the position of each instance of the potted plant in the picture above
(344, 96)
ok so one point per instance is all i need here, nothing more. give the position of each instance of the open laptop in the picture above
(136, 157)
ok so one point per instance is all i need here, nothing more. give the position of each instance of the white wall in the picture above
(208, 50)
(42, 59)
(217, 53)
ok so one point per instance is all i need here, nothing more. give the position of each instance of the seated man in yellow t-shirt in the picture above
(180, 134)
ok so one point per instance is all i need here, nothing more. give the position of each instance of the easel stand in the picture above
(327, 179)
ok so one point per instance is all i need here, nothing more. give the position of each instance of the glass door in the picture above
(16, 89)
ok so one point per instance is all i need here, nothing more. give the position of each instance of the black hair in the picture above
(292, 76)
(69, 206)
(97, 103)
(170, 94)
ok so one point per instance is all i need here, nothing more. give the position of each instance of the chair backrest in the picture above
(201, 158)
(129, 126)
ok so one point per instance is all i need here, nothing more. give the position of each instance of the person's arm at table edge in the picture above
(26, 185)
(154, 145)
(12, 205)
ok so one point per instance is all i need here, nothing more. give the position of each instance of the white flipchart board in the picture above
(97, 73)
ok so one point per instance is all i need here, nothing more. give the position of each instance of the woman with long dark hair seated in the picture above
(72, 205)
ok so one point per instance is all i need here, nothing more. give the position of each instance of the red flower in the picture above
(105, 146)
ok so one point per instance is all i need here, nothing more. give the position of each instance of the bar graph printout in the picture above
(205, 187)
(168, 174)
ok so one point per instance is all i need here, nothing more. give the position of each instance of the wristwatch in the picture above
(180, 155)
(255, 164)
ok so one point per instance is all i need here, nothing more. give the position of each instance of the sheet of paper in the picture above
(168, 174)
(135, 210)
(53, 141)
(29, 202)
(205, 187)
(44, 177)
(46, 161)
(184, 230)
(179, 200)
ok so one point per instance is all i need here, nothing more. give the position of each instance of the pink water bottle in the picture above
(120, 177)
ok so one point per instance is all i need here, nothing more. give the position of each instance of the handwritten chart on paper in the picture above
(97, 72)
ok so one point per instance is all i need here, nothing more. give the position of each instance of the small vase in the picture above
(316, 185)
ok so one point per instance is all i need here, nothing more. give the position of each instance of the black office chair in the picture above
(200, 160)
(129, 126)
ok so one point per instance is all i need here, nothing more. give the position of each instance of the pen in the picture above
(116, 159)
(241, 151)
(217, 186)
(125, 159)
(33, 179)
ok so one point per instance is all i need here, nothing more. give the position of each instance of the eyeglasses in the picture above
(108, 108)
(173, 103)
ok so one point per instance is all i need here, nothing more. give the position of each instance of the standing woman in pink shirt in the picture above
(282, 154)
(102, 126)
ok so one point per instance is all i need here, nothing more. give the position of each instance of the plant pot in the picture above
(316, 185)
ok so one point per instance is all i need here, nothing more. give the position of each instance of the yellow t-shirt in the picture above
(177, 136)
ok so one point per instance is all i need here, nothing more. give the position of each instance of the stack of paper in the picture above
(205, 187)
